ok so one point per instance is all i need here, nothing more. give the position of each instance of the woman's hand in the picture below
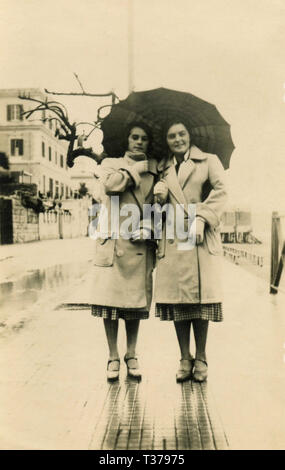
(160, 192)
(197, 228)
(141, 235)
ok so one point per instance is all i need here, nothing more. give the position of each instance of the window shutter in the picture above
(12, 147)
(9, 112)
(21, 110)
(21, 146)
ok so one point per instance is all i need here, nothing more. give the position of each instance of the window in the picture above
(61, 161)
(14, 112)
(17, 147)
(43, 149)
(49, 154)
(56, 189)
(61, 190)
(50, 124)
(44, 184)
(50, 187)
(55, 158)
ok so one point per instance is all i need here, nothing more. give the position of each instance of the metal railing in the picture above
(238, 255)
(277, 252)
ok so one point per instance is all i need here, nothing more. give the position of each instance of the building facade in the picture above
(31, 145)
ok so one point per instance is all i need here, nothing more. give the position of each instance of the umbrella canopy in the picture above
(209, 130)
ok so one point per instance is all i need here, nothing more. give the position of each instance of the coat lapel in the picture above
(144, 191)
(186, 169)
(147, 185)
(149, 179)
(138, 196)
(174, 187)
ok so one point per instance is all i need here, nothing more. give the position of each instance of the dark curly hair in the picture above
(143, 126)
(172, 122)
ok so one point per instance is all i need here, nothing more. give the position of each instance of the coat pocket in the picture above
(213, 241)
(104, 252)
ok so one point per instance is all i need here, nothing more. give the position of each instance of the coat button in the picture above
(120, 253)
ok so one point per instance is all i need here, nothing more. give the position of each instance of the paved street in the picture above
(53, 391)
(35, 276)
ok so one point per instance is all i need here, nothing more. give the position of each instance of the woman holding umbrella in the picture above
(123, 260)
(187, 288)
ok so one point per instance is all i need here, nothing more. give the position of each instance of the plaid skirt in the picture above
(180, 312)
(114, 313)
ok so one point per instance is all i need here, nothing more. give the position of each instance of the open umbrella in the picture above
(209, 130)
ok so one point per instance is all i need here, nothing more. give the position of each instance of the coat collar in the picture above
(186, 157)
(195, 154)
(185, 171)
(175, 182)
(171, 179)
(142, 192)
(153, 165)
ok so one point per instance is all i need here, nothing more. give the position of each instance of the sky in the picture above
(228, 52)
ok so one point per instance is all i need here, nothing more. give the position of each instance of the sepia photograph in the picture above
(142, 227)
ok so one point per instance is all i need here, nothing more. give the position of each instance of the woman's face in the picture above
(178, 139)
(138, 140)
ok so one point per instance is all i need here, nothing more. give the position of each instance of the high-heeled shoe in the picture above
(200, 373)
(113, 370)
(185, 370)
(133, 367)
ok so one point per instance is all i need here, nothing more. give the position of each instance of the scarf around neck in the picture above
(135, 156)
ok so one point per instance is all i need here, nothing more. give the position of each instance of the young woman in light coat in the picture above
(123, 265)
(187, 286)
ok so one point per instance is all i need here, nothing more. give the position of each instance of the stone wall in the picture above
(49, 225)
(25, 223)
(67, 222)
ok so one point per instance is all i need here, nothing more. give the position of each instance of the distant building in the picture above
(236, 226)
(31, 144)
(85, 170)
(89, 178)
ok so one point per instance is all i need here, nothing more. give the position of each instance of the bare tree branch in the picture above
(53, 106)
(77, 78)
(57, 120)
(95, 125)
(111, 93)
(59, 106)
(67, 130)
(85, 152)
(99, 118)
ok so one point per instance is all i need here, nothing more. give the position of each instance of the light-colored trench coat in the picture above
(193, 276)
(122, 270)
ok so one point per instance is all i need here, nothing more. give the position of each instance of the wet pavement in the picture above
(53, 388)
(38, 275)
(37, 283)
